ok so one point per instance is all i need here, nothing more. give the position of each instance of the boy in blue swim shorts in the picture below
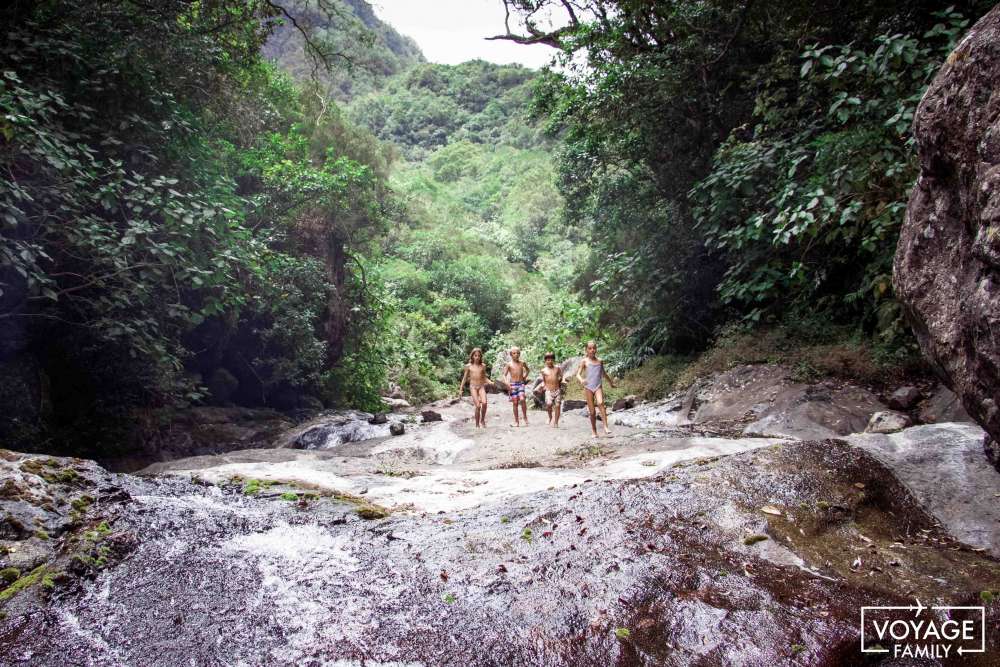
(516, 375)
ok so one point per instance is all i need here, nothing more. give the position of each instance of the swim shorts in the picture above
(553, 397)
(516, 390)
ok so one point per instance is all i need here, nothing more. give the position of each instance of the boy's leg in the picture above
(524, 408)
(599, 397)
(517, 419)
(548, 408)
(590, 408)
(556, 410)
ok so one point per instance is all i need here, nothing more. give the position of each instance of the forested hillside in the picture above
(481, 258)
(181, 224)
(740, 164)
(338, 46)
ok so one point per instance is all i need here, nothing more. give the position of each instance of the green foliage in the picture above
(431, 105)
(721, 173)
(484, 261)
(807, 213)
(173, 205)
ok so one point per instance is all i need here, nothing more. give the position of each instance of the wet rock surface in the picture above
(658, 571)
(761, 400)
(944, 467)
(59, 524)
(683, 544)
(946, 265)
(332, 429)
(199, 431)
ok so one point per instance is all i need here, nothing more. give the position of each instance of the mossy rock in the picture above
(371, 512)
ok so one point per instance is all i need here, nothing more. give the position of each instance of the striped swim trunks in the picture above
(516, 390)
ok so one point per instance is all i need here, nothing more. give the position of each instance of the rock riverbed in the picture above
(667, 543)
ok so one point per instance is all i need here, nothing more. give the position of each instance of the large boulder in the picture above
(943, 466)
(947, 264)
(943, 406)
(179, 433)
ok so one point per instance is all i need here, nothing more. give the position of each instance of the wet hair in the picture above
(550, 355)
(589, 343)
(515, 349)
(473, 354)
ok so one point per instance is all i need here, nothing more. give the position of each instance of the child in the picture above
(516, 374)
(475, 373)
(552, 379)
(595, 373)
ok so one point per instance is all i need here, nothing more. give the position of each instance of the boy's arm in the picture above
(579, 371)
(461, 384)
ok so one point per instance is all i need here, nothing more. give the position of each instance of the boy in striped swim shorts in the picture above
(516, 375)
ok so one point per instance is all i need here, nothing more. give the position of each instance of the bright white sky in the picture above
(452, 31)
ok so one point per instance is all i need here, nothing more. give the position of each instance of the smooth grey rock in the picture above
(430, 416)
(943, 406)
(904, 398)
(888, 422)
(663, 413)
(396, 404)
(332, 429)
(397, 428)
(379, 418)
(944, 468)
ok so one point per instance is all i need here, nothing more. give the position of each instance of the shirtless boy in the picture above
(552, 379)
(516, 375)
(475, 373)
(593, 369)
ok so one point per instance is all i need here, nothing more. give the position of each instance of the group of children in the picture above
(591, 375)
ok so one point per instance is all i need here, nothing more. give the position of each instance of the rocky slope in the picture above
(759, 558)
(675, 541)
